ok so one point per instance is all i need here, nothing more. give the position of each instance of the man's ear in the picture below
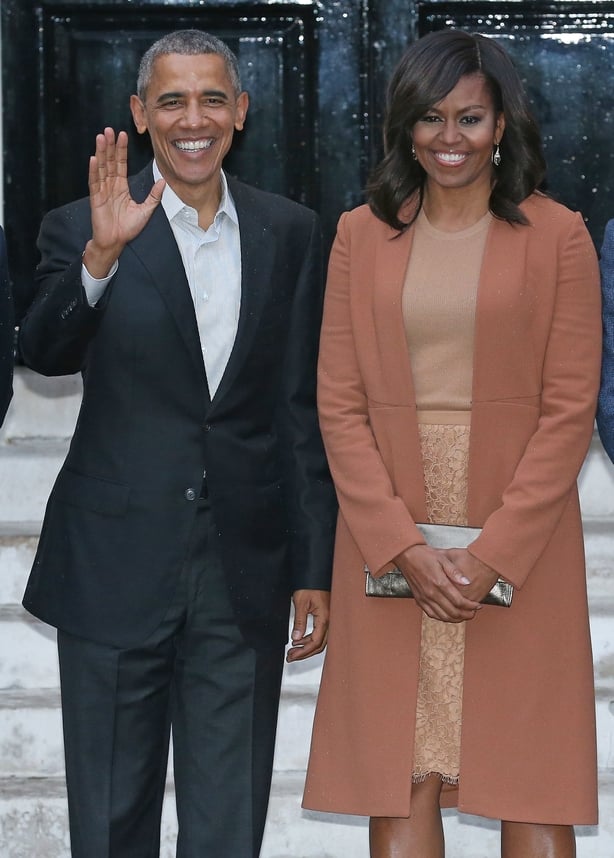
(139, 116)
(241, 111)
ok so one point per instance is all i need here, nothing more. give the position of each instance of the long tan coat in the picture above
(528, 734)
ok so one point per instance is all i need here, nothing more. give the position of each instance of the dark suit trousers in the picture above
(196, 676)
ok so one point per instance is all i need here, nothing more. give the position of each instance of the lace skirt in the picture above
(445, 451)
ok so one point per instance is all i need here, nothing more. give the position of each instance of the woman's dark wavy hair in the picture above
(428, 70)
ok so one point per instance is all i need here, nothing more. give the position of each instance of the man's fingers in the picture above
(314, 603)
(155, 195)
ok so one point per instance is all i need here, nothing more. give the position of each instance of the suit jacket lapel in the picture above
(257, 255)
(157, 251)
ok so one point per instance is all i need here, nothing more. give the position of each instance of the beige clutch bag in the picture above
(394, 584)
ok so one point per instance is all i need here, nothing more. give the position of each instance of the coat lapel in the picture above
(257, 255)
(157, 251)
(501, 322)
(391, 261)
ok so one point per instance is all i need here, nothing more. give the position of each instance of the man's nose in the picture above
(194, 114)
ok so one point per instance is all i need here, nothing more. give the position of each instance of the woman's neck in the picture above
(454, 209)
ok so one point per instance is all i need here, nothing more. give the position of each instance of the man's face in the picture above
(191, 112)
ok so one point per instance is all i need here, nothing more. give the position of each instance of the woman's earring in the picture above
(496, 156)
(413, 153)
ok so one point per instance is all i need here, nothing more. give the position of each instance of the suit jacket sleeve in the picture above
(59, 325)
(605, 414)
(311, 496)
(516, 534)
(7, 329)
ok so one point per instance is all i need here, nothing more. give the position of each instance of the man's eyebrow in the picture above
(209, 93)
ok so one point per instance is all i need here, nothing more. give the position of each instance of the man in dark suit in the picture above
(7, 333)
(195, 496)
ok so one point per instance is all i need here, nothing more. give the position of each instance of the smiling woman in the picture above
(458, 374)
(455, 140)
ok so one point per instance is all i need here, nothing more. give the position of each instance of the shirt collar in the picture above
(172, 204)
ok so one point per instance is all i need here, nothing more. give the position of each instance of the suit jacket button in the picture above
(190, 494)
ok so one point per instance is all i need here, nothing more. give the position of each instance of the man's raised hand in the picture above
(116, 217)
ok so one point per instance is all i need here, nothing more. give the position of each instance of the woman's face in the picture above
(454, 140)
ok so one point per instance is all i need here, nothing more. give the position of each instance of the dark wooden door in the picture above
(316, 71)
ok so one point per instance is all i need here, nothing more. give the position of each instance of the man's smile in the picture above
(193, 145)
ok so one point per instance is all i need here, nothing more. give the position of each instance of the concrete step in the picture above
(31, 730)
(27, 472)
(42, 407)
(28, 658)
(596, 483)
(33, 824)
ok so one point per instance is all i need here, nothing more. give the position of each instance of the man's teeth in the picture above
(193, 145)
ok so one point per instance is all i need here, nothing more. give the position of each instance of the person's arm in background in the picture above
(605, 413)
(7, 332)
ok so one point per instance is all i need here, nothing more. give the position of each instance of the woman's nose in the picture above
(450, 133)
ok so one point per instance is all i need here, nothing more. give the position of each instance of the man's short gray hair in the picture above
(186, 42)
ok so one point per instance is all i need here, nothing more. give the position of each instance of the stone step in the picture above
(28, 656)
(596, 483)
(27, 472)
(33, 824)
(42, 407)
(17, 547)
(31, 730)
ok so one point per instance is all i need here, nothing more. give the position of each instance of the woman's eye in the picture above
(470, 120)
(430, 117)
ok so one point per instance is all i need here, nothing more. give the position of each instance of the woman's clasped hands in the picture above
(448, 585)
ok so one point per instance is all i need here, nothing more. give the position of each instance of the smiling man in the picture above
(195, 498)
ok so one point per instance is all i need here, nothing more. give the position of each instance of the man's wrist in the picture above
(99, 263)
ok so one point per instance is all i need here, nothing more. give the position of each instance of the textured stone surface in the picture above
(27, 651)
(33, 825)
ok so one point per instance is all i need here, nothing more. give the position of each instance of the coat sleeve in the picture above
(376, 516)
(7, 333)
(515, 535)
(605, 413)
(57, 329)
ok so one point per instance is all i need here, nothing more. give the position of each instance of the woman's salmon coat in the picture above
(528, 734)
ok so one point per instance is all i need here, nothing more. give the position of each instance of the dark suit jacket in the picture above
(120, 515)
(7, 329)
(605, 413)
